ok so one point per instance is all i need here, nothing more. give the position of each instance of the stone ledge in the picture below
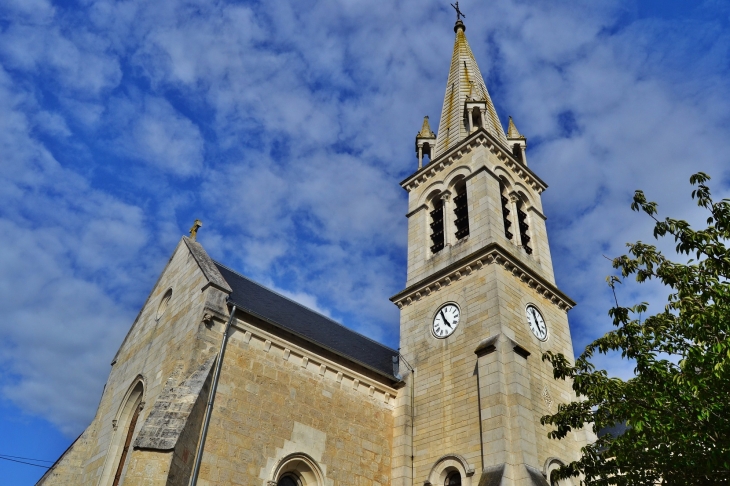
(491, 254)
(480, 137)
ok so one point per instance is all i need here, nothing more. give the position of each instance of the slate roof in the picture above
(276, 309)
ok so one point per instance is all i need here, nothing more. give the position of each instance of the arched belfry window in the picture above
(505, 210)
(437, 225)
(523, 226)
(453, 479)
(476, 118)
(461, 211)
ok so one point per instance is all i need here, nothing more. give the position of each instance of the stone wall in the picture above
(154, 350)
(276, 399)
(500, 425)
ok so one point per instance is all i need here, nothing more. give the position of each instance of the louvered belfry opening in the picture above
(461, 211)
(522, 223)
(476, 118)
(437, 226)
(517, 152)
(505, 211)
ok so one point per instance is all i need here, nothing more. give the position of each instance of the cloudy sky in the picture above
(286, 126)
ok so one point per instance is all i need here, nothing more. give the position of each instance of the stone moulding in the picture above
(479, 137)
(491, 254)
(297, 457)
(207, 266)
(443, 462)
(288, 351)
(487, 346)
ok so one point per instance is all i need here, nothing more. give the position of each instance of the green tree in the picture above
(677, 407)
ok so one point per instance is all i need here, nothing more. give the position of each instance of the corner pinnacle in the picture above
(512, 131)
(426, 131)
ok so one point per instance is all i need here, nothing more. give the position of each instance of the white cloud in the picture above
(58, 315)
(78, 64)
(287, 129)
(165, 138)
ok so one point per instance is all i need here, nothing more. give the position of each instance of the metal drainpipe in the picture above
(211, 398)
(413, 416)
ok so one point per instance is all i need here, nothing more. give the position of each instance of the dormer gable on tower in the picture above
(425, 142)
(517, 142)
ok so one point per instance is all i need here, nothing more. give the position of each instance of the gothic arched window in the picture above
(127, 444)
(288, 480)
(453, 479)
(124, 426)
(297, 469)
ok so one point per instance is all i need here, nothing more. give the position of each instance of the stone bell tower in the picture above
(480, 305)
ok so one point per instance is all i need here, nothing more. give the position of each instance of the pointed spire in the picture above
(465, 83)
(512, 131)
(426, 131)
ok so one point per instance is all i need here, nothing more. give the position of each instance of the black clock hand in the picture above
(540, 325)
(535, 317)
(444, 318)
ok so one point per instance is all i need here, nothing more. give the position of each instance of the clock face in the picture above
(536, 322)
(445, 321)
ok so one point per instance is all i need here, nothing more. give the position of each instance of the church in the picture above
(221, 381)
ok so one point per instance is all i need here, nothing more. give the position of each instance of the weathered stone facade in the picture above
(302, 397)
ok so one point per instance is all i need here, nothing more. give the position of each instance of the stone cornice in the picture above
(479, 137)
(491, 254)
(422, 206)
(539, 213)
(250, 334)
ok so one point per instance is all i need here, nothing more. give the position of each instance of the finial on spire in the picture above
(459, 15)
(459, 24)
(194, 229)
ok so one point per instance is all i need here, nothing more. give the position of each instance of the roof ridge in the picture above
(305, 307)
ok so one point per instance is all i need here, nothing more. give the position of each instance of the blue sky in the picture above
(286, 127)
